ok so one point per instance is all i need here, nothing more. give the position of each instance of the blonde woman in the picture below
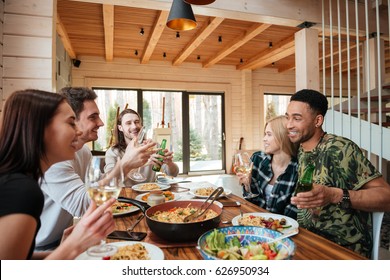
(275, 170)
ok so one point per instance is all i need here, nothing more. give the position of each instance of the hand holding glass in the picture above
(136, 175)
(243, 165)
(101, 187)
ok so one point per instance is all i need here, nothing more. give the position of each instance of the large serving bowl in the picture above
(247, 234)
(177, 232)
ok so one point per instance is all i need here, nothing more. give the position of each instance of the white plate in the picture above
(130, 210)
(226, 192)
(290, 222)
(138, 187)
(155, 253)
(140, 196)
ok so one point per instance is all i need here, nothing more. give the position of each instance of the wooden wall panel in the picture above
(23, 46)
(27, 68)
(28, 54)
(32, 7)
(11, 85)
(28, 25)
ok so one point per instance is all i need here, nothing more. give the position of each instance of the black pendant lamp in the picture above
(181, 17)
(199, 2)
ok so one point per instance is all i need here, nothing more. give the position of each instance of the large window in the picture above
(196, 121)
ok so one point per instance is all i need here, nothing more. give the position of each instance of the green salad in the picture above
(217, 246)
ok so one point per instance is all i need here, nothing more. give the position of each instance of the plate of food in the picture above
(130, 250)
(204, 192)
(272, 221)
(122, 208)
(169, 196)
(147, 187)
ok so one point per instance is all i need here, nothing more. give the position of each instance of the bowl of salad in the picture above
(244, 243)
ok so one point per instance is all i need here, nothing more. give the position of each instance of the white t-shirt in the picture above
(65, 197)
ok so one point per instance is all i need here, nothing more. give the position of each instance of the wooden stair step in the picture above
(375, 98)
(384, 124)
(365, 110)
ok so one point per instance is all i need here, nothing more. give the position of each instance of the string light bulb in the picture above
(198, 57)
(177, 34)
(219, 39)
(142, 32)
(136, 52)
(241, 60)
(164, 55)
(270, 45)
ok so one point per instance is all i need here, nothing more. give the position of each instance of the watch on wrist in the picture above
(345, 202)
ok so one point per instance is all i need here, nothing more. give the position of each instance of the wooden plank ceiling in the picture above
(91, 29)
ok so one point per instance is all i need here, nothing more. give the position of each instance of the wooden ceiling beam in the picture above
(197, 40)
(255, 30)
(286, 68)
(271, 54)
(61, 30)
(108, 21)
(155, 35)
(274, 58)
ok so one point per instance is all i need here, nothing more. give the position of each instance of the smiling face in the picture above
(89, 122)
(301, 122)
(271, 145)
(130, 126)
(61, 135)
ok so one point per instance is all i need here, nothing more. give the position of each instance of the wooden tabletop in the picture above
(309, 246)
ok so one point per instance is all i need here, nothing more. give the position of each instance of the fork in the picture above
(283, 236)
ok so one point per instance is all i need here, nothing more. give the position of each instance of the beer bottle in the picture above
(157, 167)
(305, 183)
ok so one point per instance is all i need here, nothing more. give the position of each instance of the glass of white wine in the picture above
(101, 187)
(243, 165)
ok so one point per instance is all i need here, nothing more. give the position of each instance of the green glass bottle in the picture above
(157, 168)
(305, 183)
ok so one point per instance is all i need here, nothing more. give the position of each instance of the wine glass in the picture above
(243, 165)
(135, 174)
(101, 187)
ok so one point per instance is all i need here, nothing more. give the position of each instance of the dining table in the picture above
(309, 246)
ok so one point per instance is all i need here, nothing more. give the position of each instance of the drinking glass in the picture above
(136, 175)
(243, 165)
(101, 187)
